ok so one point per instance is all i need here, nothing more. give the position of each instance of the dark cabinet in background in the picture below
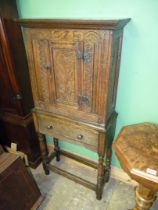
(15, 92)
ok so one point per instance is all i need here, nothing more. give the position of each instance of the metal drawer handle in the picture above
(50, 126)
(80, 137)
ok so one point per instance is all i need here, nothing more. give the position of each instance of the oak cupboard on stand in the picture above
(74, 68)
(16, 122)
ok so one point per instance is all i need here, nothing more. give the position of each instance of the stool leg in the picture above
(144, 198)
(44, 152)
(57, 149)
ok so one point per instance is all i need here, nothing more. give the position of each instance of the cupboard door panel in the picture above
(67, 70)
(56, 70)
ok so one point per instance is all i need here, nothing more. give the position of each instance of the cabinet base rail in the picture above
(71, 176)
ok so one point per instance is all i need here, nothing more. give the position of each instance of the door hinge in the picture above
(84, 55)
(83, 99)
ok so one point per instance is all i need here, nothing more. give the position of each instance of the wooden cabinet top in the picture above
(79, 24)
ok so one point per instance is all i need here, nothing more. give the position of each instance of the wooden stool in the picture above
(18, 190)
(137, 149)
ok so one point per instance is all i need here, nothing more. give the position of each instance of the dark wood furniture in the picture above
(15, 91)
(18, 190)
(74, 67)
(137, 149)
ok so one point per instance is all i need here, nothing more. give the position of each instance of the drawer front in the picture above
(68, 131)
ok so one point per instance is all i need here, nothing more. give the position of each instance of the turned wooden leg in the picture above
(108, 151)
(100, 178)
(57, 149)
(44, 152)
(101, 167)
(144, 198)
(108, 164)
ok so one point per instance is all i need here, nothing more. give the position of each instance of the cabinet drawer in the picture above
(68, 130)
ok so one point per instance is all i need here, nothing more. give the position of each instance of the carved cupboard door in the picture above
(65, 70)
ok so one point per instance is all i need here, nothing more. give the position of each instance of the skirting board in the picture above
(116, 173)
(119, 174)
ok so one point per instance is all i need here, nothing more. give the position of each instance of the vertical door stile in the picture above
(88, 75)
(77, 67)
(96, 78)
(42, 67)
(91, 76)
(79, 50)
(36, 66)
(76, 70)
(48, 68)
(51, 80)
(100, 93)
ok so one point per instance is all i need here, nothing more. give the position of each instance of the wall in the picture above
(137, 99)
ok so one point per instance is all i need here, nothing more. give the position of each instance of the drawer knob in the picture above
(80, 136)
(50, 126)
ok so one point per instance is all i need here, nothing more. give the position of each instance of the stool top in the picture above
(137, 149)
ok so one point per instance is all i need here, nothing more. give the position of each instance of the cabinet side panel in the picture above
(102, 93)
(114, 72)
